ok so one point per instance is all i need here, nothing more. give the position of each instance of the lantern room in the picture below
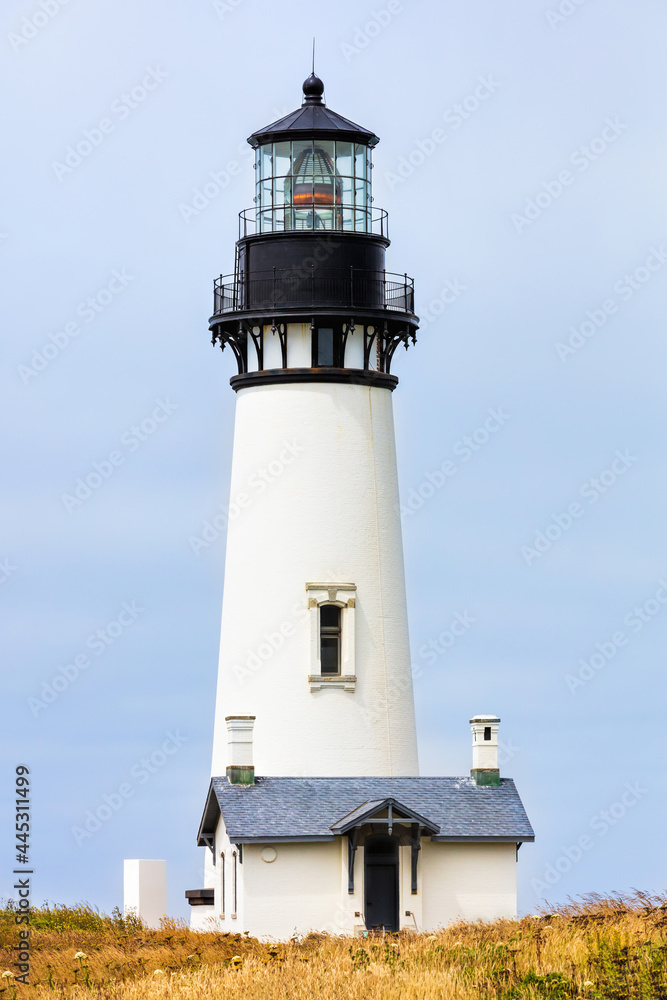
(313, 171)
(310, 298)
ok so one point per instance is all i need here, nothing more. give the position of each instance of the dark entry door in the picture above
(381, 883)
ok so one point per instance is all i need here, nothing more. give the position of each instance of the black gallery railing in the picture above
(316, 287)
(343, 217)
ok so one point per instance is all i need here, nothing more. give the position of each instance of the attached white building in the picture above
(289, 855)
(337, 831)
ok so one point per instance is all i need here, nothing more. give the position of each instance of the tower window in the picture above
(324, 348)
(330, 635)
(487, 732)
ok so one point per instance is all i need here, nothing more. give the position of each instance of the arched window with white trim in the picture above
(332, 635)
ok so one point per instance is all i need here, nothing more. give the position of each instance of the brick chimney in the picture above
(485, 769)
(240, 767)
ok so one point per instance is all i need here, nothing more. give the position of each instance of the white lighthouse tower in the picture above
(314, 637)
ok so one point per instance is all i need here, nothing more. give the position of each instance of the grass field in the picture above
(594, 948)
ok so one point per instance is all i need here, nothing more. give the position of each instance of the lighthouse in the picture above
(314, 637)
(316, 817)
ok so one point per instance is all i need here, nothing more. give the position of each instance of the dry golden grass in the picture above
(594, 948)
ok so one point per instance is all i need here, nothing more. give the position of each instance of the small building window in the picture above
(330, 635)
(222, 884)
(487, 732)
(235, 891)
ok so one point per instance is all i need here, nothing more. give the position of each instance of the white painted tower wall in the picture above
(314, 499)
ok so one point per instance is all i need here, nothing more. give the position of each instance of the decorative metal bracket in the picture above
(281, 330)
(258, 341)
(351, 851)
(238, 342)
(414, 855)
(368, 346)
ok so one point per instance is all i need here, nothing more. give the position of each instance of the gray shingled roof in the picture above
(306, 808)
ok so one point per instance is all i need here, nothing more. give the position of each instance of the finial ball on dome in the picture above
(313, 87)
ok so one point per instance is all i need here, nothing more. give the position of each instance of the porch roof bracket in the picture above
(414, 855)
(351, 851)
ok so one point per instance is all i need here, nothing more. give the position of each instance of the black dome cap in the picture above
(313, 118)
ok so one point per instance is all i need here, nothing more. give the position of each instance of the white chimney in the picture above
(240, 767)
(485, 769)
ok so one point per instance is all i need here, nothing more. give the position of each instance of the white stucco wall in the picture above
(305, 887)
(314, 484)
(299, 891)
(466, 882)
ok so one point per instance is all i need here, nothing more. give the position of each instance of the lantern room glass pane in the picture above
(281, 159)
(360, 161)
(344, 165)
(302, 157)
(279, 191)
(266, 160)
(265, 198)
(302, 185)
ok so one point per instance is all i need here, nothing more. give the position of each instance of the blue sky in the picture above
(522, 161)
